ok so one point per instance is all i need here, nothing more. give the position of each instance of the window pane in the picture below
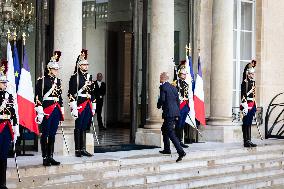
(246, 22)
(235, 44)
(235, 13)
(246, 46)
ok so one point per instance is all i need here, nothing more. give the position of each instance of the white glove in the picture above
(16, 132)
(74, 113)
(73, 105)
(40, 114)
(74, 109)
(39, 110)
(39, 118)
(62, 110)
(94, 105)
(245, 106)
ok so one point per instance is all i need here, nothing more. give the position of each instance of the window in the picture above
(244, 42)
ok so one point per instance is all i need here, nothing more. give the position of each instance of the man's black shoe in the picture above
(53, 162)
(180, 156)
(252, 144)
(46, 162)
(85, 153)
(183, 145)
(247, 144)
(165, 152)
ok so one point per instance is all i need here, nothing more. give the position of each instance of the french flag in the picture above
(199, 96)
(11, 87)
(25, 96)
(190, 119)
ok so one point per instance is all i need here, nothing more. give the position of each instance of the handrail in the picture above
(271, 107)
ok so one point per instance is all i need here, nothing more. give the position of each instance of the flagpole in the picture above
(22, 59)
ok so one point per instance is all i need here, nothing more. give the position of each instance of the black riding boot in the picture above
(249, 137)
(43, 142)
(3, 169)
(77, 143)
(83, 144)
(245, 136)
(51, 142)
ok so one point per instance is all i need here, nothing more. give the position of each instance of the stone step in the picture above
(70, 164)
(275, 181)
(258, 175)
(152, 176)
(190, 163)
(220, 180)
(113, 169)
(133, 160)
(195, 172)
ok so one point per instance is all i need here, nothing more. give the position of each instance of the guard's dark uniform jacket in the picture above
(84, 94)
(182, 88)
(50, 98)
(7, 114)
(51, 95)
(248, 95)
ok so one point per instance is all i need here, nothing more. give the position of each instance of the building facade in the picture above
(132, 41)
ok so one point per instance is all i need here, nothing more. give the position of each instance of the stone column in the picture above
(161, 60)
(161, 53)
(67, 39)
(221, 71)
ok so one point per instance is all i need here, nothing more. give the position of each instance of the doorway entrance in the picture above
(107, 34)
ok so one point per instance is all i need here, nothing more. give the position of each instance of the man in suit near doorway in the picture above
(100, 91)
(169, 102)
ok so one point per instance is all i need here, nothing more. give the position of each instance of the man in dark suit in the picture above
(100, 91)
(169, 102)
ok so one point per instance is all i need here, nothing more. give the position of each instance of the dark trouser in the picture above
(181, 122)
(3, 169)
(82, 123)
(5, 140)
(169, 134)
(49, 129)
(247, 122)
(99, 109)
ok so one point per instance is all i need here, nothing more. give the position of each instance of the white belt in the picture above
(85, 95)
(250, 99)
(51, 98)
(5, 116)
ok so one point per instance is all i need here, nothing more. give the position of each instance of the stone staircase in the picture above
(206, 165)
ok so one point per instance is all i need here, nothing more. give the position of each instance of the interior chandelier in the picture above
(16, 16)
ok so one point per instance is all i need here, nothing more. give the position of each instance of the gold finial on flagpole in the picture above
(188, 49)
(24, 38)
(8, 35)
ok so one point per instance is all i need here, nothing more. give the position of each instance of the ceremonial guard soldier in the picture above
(49, 108)
(248, 105)
(182, 88)
(82, 102)
(8, 123)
